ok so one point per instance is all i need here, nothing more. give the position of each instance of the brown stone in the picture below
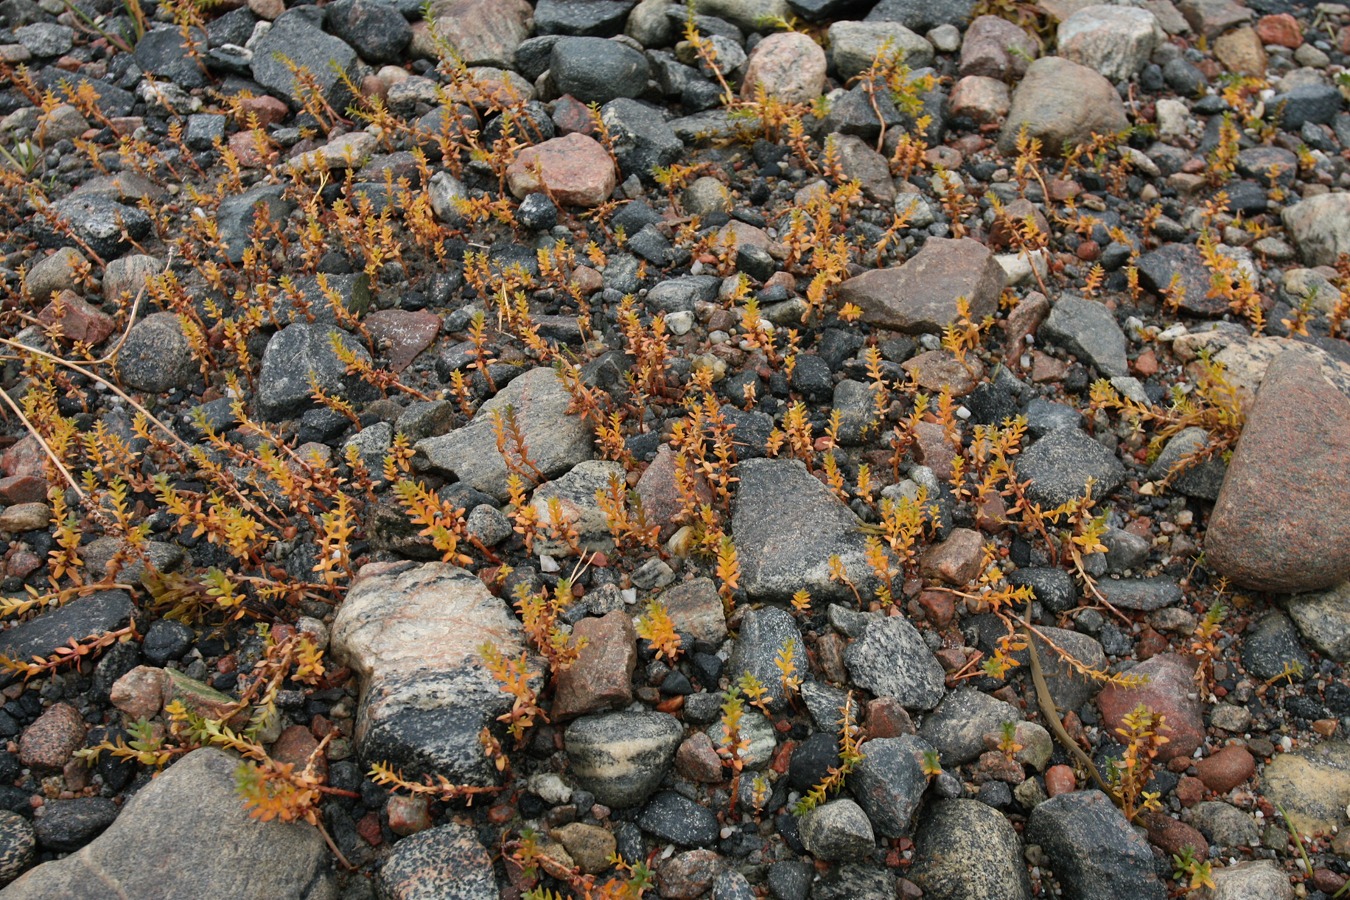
(920, 295)
(482, 32)
(696, 608)
(1001, 233)
(886, 718)
(956, 560)
(79, 321)
(688, 875)
(1280, 522)
(995, 48)
(23, 517)
(1226, 769)
(1061, 102)
(1281, 30)
(590, 846)
(661, 501)
(22, 489)
(979, 98)
(575, 169)
(296, 745)
(697, 759)
(789, 65)
(939, 370)
(1059, 780)
(939, 607)
(1169, 691)
(139, 694)
(1171, 836)
(1190, 790)
(407, 815)
(1240, 51)
(932, 450)
(24, 458)
(49, 742)
(601, 678)
(403, 334)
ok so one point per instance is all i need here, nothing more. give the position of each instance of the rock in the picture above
(1092, 849)
(78, 320)
(837, 830)
(1320, 227)
(1089, 331)
(156, 356)
(853, 46)
(590, 846)
(588, 17)
(1203, 479)
(412, 633)
(601, 678)
(696, 609)
(187, 834)
(1324, 620)
(966, 850)
(326, 58)
(642, 140)
(49, 742)
(788, 65)
(17, 845)
(574, 169)
(890, 781)
(764, 635)
(1315, 103)
(956, 560)
(1061, 464)
(732, 885)
(1278, 524)
(679, 820)
(163, 52)
(1213, 17)
(920, 295)
(981, 99)
(444, 862)
(995, 48)
(1141, 593)
(1114, 40)
(786, 525)
(377, 30)
(595, 70)
(746, 14)
(1270, 648)
(67, 825)
(403, 335)
(1224, 826)
(78, 619)
(688, 875)
(957, 727)
(622, 757)
(1053, 588)
(1256, 880)
(139, 694)
(1312, 785)
(54, 273)
(1158, 267)
(1241, 52)
(98, 220)
(297, 353)
(45, 39)
(921, 15)
(483, 32)
(23, 517)
(555, 440)
(1062, 103)
(574, 495)
(255, 210)
(1170, 691)
(892, 660)
(1226, 769)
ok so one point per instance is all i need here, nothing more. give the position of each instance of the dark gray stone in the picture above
(1145, 594)
(642, 139)
(595, 70)
(1060, 465)
(922, 15)
(294, 354)
(1044, 416)
(594, 18)
(956, 729)
(166, 640)
(236, 217)
(203, 130)
(111, 100)
(156, 356)
(764, 633)
(1088, 330)
(308, 300)
(679, 820)
(17, 844)
(84, 616)
(1157, 267)
(1053, 588)
(890, 781)
(68, 825)
(967, 851)
(1092, 850)
(1202, 477)
(1317, 103)
(892, 660)
(45, 39)
(294, 38)
(537, 212)
(164, 53)
(622, 757)
(680, 294)
(377, 30)
(838, 830)
(99, 221)
(1272, 644)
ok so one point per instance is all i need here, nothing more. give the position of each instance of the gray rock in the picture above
(1261, 879)
(186, 834)
(890, 781)
(1053, 588)
(1092, 849)
(424, 418)
(920, 295)
(1089, 331)
(1320, 227)
(1060, 465)
(680, 294)
(555, 440)
(295, 38)
(956, 729)
(966, 850)
(53, 274)
(371, 444)
(892, 660)
(1324, 620)
(45, 39)
(67, 825)
(1116, 41)
(1141, 593)
(575, 495)
(98, 220)
(642, 139)
(732, 885)
(442, 863)
(293, 355)
(156, 356)
(1270, 645)
(236, 217)
(760, 738)
(111, 100)
(748, 14)
(1224, 825)
(1316, 103)
(676, 819)
(853, 46)
(1068, 689)
(1202, 478)
(96, 614)
(622, 757)
(1062, 103)
(412, 633)
(1045, 416)
(601, 18)
(308, 294)
(765, 632)
(595, 70)
(921, 15)
(837, 830)
(1158, 267)
(18, 843)
(786, 525)
(163, 52)
(377, 30)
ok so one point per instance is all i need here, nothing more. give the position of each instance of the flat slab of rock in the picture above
(1092, 849)
(1312, 785)
(556, 441)
(186, 834)
(412, 632)
(1061, 103)
(920, 295)
(1061, 464)
(80, 618)
(786, 525)
(1280, 523)
(1088, 330)
(967, 849)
